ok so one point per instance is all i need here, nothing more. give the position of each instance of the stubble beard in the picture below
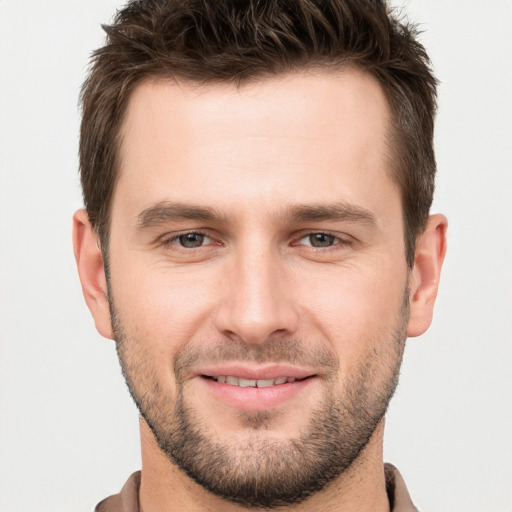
(263, 471)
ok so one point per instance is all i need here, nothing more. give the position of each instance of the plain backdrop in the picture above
(68, 429)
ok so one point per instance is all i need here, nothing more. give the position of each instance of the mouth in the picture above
(253, 383)
(262, 388)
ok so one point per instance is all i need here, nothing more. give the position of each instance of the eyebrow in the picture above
(336, 212)
(167, 211)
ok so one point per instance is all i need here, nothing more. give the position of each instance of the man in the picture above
(257, 180)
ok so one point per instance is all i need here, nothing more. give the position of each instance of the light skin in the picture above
(252, 179)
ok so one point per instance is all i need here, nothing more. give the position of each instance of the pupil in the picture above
(321, 240)
(191, 240)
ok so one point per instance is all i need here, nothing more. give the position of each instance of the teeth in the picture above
(246, 383)
(265, 383)
(252, 383)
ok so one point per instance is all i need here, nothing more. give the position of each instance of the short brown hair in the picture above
(209, 41)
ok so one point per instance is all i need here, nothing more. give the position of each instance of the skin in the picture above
(255, 155)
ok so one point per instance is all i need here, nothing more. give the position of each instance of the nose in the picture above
(258, 300)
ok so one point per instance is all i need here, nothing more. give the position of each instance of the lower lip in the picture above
(257, 399)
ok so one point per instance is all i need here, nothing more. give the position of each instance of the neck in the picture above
(164, 486)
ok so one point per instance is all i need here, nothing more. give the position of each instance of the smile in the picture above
(252, 383)
(257, 392)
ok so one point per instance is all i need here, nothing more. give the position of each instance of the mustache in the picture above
(274, 351)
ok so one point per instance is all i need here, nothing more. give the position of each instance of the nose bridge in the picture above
(258, 302)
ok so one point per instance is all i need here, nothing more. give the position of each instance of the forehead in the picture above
(301, 135)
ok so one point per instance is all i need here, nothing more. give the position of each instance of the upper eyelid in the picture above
(168, 239)
(344, 237)
(295, 238)
(190, 232)
(175, 234)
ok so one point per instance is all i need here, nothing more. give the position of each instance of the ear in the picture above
(424, 281)
(92, 272)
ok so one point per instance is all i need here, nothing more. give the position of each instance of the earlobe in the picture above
(91, 272)
(425, 275)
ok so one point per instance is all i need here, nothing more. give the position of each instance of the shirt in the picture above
(128, 499)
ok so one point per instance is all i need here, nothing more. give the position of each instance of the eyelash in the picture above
(338, 241)
(167, 243)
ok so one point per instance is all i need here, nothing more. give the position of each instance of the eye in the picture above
(191, 240)
(319, 240)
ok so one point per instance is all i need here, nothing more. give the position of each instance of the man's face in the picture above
(258, 282)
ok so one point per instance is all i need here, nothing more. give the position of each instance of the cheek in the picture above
(355, 311)
(163, 306)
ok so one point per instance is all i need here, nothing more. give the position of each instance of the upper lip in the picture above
(266, 372)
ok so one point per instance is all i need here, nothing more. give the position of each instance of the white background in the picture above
(68, 430)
